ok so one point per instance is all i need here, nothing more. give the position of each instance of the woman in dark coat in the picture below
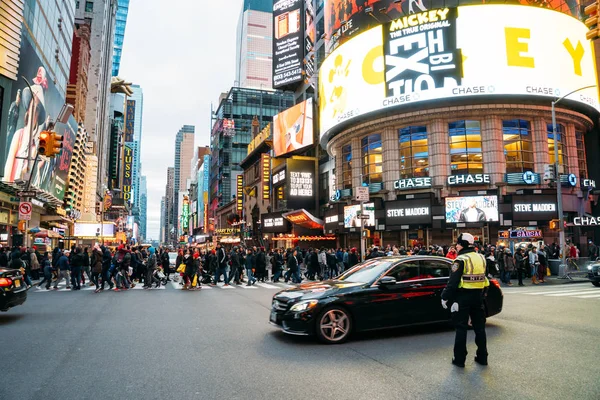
(96, 267)
(190, 270)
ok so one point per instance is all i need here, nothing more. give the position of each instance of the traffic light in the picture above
(21, 226)
(56, 144)
(366, 233)
(45, 142)
(554, 224)
(592, 22)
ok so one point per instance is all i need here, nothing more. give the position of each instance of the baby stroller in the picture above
(160, 276)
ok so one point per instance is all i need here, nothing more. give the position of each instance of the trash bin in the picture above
(554, 267)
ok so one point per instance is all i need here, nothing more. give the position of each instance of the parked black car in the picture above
(13, 291)
(381, 293)
(594, 274)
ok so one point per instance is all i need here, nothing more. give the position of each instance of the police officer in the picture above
(465, 293)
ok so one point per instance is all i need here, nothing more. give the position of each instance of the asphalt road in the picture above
(217, 344)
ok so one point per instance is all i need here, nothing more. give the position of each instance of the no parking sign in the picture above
(25, 208)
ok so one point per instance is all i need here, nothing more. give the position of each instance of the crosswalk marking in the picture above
(268, 286)
(573, 293)
(589, 296)
(248, 287)
(555, 291)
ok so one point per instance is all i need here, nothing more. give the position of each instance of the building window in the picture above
(581, 158)
(466, 156)
(562, 147)
(77, 4)
(346, 167)
(518, 145)
(89, 6)
(414, 154)
(372, 159)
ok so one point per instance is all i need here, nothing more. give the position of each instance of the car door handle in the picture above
(416, 285)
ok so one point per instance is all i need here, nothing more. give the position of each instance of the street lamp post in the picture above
(561, 225)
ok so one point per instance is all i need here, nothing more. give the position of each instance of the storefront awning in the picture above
(304, 219)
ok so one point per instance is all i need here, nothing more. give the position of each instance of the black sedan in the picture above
(594, 274)
(13, 291)
(377, 294)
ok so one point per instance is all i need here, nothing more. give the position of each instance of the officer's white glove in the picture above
(454, 307)
(444, 304)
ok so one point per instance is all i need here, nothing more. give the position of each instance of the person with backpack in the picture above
(150, 267)
(520, 264)
(166, 263)
(234, 257)
(250, 267)
(96, 268)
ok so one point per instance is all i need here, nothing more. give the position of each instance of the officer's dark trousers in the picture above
(470, 304)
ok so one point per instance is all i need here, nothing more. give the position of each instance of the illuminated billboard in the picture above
(288, 42)
(345, 19)
(93, 230)
(482, 50)
(293, 128)
(351, 215)
(472, 209)
(301, 184)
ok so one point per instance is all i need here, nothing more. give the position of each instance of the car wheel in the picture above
(597, 284)
(334, 325)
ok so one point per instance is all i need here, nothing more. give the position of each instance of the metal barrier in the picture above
(574, 267)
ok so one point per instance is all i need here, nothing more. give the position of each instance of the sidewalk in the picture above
(552, 280)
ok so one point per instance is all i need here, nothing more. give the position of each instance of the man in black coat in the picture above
(106, 260)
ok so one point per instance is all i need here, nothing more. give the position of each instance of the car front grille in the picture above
(279, 305)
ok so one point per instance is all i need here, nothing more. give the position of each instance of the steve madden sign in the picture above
(470, 179)
(412, 183)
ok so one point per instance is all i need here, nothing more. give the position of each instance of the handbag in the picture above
(181, 268)
(195, 281)
(548, 273)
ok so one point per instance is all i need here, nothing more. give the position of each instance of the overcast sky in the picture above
(182, 54)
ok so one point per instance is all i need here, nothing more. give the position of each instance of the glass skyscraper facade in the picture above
(241, 105)
(122, 11)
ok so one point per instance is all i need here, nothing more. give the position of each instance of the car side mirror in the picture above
(386, 281)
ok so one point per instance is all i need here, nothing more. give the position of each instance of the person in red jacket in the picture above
(452, 254)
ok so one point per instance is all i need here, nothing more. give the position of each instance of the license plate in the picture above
(273, 317)
(17, 283)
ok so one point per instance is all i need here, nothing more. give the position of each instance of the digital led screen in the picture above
(472, 209)
(293, 128)
(288, 42)
(441, 54)
(351, 215)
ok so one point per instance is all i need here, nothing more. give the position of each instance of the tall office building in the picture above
(163, 211)
(184, 153)
(122, 11)
(143, 208)
(254, 45)
(240, 105)
(77, 88)
(138, 99)
(101, 16)
(169, 227)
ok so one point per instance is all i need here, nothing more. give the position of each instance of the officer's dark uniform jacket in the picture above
(468, 273)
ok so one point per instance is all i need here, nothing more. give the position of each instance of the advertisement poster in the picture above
(288, 42)
(31, 109)
(414, 59)
(127, 171)
(472, 209)
(293, 128)
(351, 214)
(130, 121)
(357, 20)
(300, 184)
(534, 208)
(407, 212)
(310, 33)
(430, 47)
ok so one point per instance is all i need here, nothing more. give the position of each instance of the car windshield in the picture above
(367, 271)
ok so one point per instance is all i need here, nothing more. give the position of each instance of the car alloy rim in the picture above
(334, 325)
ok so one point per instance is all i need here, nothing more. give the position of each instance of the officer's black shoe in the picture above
(458, 364)
(481, 361)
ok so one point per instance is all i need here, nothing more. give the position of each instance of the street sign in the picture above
(370, 208)
(361, 193)
(364, 217)
(30, 193)
(25, 208)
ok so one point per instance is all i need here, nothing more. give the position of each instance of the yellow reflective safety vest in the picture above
(473, 276)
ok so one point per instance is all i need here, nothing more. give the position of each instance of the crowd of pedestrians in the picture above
(126, 266)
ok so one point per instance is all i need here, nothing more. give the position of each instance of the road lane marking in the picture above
(248, 287)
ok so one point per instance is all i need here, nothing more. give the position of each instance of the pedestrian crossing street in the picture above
(578, 291)
(62, 287)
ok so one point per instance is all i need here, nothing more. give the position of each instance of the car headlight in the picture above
(589, 267)
(304, 305)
